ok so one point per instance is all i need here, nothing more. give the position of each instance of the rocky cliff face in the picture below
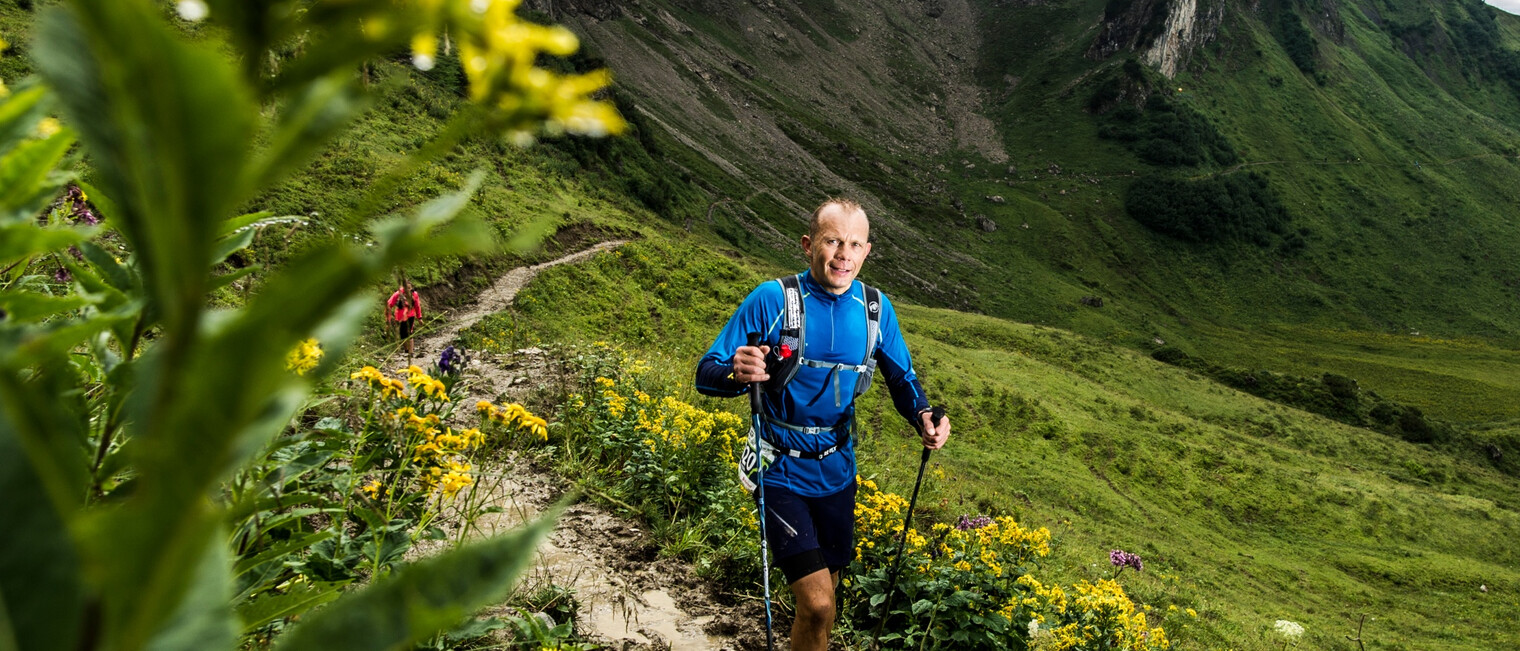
(1163, 32)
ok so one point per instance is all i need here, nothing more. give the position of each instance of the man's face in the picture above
(841, 244)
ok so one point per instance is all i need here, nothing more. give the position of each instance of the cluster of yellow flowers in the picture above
(410, 420)
(987, 552)
(878, 514)
(449, 478)
(372, 489)
(998, 545)
(304, 356)
(679, 425)
(617, 405)
(1001, 542)
(442, 454)
(388, 387)
(1114, 620)
(436, 446)
(1100, 615)
(425, 384)
(513, 415)
(1050, 599)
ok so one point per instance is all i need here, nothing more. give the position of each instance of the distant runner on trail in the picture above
(825, 334)
(404, 309)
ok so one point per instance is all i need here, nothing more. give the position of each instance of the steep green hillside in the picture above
(1365, 153)
(1244, 510)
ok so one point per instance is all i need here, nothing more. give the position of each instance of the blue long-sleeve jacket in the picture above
(836, 333)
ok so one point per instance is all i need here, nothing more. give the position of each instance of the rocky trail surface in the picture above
(627, 597)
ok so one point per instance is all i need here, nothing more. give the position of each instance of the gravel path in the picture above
(628, 597)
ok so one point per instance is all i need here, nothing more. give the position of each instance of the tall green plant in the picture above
(126, 400)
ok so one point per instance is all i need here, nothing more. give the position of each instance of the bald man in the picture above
(806, 444)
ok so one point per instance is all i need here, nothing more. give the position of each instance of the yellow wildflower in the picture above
(473, 438)
(304, 357)
(454, 481)
(392, 388)
(46, 127)
(537, 426)
(498, 51)
(369, 374)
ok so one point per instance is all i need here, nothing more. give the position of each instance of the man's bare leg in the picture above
(815, 611)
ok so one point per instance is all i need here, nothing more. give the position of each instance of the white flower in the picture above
(1287, 629)
(1034, 627)
(192, 10)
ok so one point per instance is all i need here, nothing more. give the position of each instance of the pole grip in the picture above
(753, 339)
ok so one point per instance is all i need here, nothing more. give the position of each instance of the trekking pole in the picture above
(902, 545)
(756, 423)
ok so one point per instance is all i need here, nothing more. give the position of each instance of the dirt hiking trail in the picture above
(499, 296)
(627, 597)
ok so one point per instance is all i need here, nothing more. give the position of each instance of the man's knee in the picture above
(815, 598)
(819, 612)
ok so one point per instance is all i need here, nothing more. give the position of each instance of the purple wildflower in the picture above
(450, 362)
(969, 523)
(62, 275)
(79, 207)
(1122, 559)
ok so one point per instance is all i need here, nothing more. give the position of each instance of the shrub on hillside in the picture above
(1334, 396)
(1297, 41)
(1163, 132)
(1234, 207)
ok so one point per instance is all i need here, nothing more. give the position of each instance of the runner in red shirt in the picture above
(404, 308)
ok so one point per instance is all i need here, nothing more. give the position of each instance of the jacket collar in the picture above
(811, 286)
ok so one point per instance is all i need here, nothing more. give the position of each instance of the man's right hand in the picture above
(749, 364)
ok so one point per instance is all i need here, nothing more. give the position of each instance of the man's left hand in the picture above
(934, 437)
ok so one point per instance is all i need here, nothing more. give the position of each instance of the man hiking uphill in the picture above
(825, 334)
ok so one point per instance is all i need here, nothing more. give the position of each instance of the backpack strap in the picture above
(791, 292)
(792, 333)
(873, 336)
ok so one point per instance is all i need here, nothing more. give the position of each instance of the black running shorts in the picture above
(808, 534)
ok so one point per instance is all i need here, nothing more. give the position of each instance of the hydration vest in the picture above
(782, 367)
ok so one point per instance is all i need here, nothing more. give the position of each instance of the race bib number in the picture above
(749, 470)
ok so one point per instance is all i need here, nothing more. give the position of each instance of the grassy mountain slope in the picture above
(1245, 510)
(1396, 164)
